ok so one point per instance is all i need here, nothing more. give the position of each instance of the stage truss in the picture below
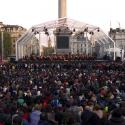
(32, 38)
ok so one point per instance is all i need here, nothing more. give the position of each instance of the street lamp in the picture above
(2, 45)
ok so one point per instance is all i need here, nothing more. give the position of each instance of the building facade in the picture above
(81, 44)
(118, 35)
(15, 32)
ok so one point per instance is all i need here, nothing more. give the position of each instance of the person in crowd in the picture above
(35, 115)
(116, 118)
(88, 117)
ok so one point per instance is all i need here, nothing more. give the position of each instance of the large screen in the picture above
(62, 42)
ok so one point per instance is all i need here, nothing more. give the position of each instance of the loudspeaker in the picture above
(62, 42)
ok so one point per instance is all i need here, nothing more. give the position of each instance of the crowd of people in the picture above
(60, 57)
(62, 92)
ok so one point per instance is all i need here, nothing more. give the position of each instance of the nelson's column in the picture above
(62, 8)
(63, 33)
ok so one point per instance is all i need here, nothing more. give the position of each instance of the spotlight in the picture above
(92, 33)
(67, 28)
(59, 30)
(36, 32)
(98, 30)
(45, 29)
(32, 29)
(86, 29)
(71, 32)
(74, 30)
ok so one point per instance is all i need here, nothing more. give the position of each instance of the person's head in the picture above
(97, 107)
(38, 107)
(17, 120)
(117, 113)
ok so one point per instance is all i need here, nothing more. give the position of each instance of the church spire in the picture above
(49, 42)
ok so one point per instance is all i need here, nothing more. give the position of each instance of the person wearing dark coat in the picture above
(89, 118)
(116, 118)
(45, 121)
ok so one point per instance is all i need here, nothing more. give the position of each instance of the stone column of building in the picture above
(62, 8)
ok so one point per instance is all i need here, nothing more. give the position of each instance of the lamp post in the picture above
(2, 45)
